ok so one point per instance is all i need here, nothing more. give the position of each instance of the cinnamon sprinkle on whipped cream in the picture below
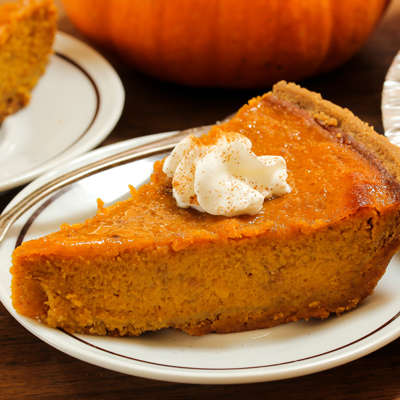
(225, 178)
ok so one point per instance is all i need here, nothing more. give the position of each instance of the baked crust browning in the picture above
(331, 115)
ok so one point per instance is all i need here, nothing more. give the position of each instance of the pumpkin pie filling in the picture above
(27, 31)
(147, 264)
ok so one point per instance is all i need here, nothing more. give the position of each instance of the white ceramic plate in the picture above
(282, 352)
(74, 106)
(391, 102)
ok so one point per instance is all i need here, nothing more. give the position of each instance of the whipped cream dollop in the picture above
(226, 177)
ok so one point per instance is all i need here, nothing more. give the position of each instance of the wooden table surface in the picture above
(31, 369)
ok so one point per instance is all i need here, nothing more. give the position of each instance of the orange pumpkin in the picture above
(229, 43)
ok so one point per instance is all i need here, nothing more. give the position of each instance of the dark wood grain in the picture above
(31, 369)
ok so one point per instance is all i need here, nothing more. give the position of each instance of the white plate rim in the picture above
(110, 95)
(390, 104)
(75, 346)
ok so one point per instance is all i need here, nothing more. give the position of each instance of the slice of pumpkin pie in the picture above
(291, 210)
(27, 31)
